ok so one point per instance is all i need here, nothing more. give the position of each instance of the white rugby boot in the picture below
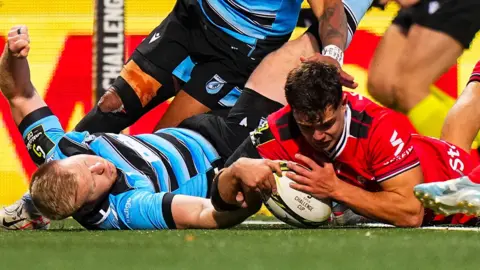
(22, 215)
(454, 196)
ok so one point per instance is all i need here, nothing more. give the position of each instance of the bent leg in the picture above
(145, 78)
(463, 120)
(427, 56)
(383, 68)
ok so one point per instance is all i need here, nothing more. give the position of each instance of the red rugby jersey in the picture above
(375, 146)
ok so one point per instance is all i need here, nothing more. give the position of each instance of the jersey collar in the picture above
(340, 146)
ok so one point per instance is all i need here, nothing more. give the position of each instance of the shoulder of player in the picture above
(364, 110)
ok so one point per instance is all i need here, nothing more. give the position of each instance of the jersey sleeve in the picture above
(260, 144)
(475, 76)
(267, 145)
(143, 210)
(41, 131)
(390, 147)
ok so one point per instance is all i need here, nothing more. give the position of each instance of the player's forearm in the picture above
(383, 206)
(202, 215)
(333, 28)
(15, 76)
(16, 86)
(212, 219)
(462, 122)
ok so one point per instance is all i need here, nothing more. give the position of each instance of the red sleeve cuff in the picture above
(475, 77)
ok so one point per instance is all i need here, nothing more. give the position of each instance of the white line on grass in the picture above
(371, 225)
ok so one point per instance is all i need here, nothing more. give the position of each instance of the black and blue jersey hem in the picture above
(33, 117)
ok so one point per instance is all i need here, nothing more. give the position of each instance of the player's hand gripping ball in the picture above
(295, 207)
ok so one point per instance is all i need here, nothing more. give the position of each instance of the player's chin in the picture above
(326, 146)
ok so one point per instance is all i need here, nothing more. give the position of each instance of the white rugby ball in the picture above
(294, 207)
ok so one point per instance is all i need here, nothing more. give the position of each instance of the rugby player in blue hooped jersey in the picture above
(108, 181)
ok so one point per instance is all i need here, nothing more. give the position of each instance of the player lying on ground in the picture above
(109, 181)
(359, 154)
(422, 43)
(221, 42)
(460, 195)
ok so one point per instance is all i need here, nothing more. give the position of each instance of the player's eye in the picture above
(305, 127)
(328, 125)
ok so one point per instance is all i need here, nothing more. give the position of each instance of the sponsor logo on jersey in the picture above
(154, 37)
(38, 144)
(126, 210)
(399, 156)
(215, 84)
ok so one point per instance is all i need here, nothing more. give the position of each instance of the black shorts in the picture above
(460, 19)
(222, 63)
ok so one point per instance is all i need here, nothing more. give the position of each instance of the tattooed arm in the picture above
(332, 22)
(333, 32)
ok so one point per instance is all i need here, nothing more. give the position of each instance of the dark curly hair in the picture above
(312, 88)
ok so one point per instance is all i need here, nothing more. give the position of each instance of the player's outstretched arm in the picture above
(463, 120)
(144, 210)
(15, 81)
(395, 204)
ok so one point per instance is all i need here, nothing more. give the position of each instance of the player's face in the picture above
(95, 176)
(323, 134)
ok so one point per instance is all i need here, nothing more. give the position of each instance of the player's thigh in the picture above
(182, 107)
(383, 67)
(217, 84)
(212, 86)
(428, 54)
(269, 78)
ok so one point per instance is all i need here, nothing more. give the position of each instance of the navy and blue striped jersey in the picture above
(252, 20)
(152, 169)
(268, 21)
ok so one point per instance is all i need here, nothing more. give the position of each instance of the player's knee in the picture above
(381, 88)
(402, 93)
(110, 102)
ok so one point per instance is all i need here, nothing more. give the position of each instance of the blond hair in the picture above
(54, 191)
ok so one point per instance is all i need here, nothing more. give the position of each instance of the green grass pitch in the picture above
(67, 246)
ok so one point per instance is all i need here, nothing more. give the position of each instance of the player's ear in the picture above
(97, 168)
(343, 104)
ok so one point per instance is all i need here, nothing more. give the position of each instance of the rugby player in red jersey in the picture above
(357, 153)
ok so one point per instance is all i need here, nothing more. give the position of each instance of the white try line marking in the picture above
(370, 225)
